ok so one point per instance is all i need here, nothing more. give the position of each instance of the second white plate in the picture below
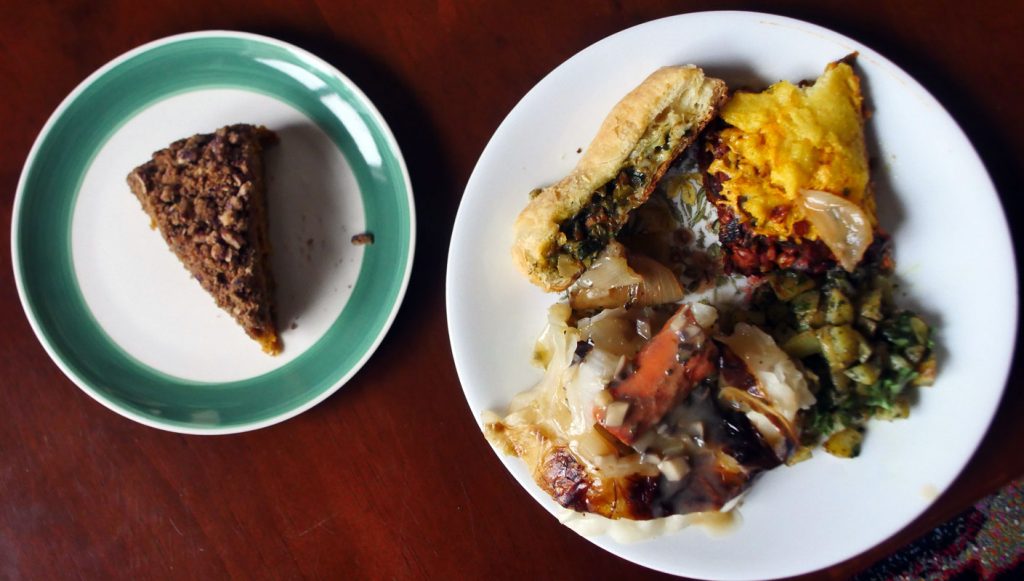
(792, 517)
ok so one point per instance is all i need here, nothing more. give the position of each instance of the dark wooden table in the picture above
(389, 478)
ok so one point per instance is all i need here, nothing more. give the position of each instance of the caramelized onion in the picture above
(614, 331)
(608, 283)
(613, 281)
(842, 226)
(658, 284)
(781, 384)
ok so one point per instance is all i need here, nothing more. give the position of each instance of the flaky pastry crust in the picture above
(676, 99)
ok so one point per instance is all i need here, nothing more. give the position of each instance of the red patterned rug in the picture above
(984, 542)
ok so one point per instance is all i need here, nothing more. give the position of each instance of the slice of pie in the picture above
(206, 195)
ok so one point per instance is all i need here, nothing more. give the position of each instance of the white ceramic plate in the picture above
(952, 247)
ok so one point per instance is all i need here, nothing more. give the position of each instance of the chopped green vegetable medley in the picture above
(862, 355)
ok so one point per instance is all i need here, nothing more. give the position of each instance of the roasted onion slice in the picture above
(617, 279)
(842, 225)
(757, 378)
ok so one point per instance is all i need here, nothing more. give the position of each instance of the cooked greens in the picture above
(597, 223)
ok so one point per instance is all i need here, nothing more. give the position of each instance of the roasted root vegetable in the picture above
(663, 373)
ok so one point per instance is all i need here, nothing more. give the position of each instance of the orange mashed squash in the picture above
(788, 139)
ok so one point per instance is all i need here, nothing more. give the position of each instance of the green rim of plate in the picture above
(63, 152)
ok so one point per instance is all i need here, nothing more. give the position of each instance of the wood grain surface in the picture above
(390, 477)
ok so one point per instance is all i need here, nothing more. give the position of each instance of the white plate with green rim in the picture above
(817, 513)
(116, 310)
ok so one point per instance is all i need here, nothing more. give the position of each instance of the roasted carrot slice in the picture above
(663, 372)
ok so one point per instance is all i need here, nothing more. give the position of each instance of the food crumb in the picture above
(579, 150)
(362, 239)
(294, 326)
(929, 492)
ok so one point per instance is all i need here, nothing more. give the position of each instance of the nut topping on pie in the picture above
(206, 195)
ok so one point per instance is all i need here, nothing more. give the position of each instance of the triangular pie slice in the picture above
(206, 194)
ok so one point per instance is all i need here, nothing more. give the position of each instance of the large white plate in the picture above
(952, 247)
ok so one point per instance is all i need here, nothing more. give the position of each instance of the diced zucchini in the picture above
(871, 305)
(899, 410)
(802, 345)
(926, 371)
(805, 310)
(845, 443)
(840, 344)
(868, 326)
(865, 351)
(897, 362)
(838, 308)
(914, 353)
(864, 374)
(921, 330)
(904, 330)
(838, 279)
(787, 284)
(806, 302)
(871, 354)
(812, 320)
